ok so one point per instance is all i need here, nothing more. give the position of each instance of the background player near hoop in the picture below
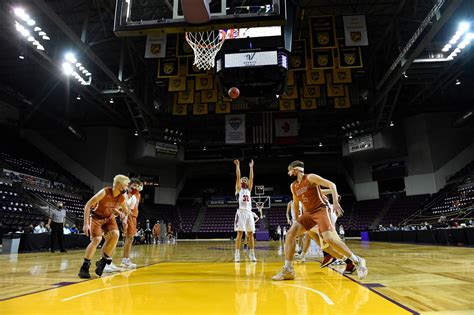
(244, 219)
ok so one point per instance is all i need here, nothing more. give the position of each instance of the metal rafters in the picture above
(385, 86)
(87, 51)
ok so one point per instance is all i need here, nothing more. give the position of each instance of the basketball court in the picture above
(199, 277)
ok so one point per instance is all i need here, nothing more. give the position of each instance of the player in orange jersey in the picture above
(136, 185)
(102, 221)
(306, 188)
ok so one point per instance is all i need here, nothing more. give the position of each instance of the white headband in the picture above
(299, 168)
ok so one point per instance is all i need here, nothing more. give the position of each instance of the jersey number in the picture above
(245, 198)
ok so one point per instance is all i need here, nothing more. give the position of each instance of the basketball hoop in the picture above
(205, 45)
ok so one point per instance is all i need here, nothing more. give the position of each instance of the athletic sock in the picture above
(289, 264)
(87, 260)
(237, 251)
(355, 258)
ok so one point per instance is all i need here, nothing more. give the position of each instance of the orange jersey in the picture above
(309, 194)
(106, 205)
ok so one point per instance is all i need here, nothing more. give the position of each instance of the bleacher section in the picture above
(218, 220)
(454, 201)
(402, 207)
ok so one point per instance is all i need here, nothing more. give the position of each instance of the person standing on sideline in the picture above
(133, 201)
(102, 221)
(279, 233)
(156, 232)
(56, 220)
(148, 232)
(341, 232)
(244, 220)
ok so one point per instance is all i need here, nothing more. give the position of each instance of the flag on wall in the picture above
(322, 58)
(350, 57)
(286, 130)
(262, 129)
(355, 30)
(234, 129)
(168, 68)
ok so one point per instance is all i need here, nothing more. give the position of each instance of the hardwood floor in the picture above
(199, 277)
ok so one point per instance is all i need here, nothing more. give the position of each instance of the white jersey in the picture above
(131, 201)
(292, 213)
(245, 203)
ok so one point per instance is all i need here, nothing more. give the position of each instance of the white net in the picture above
(205, 45)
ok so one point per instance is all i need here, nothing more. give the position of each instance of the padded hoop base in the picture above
(196, 11)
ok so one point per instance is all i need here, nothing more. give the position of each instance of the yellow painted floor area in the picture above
(200, 278)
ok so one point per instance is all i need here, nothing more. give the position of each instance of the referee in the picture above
(56, 222)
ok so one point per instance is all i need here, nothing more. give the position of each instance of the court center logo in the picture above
(235, 123)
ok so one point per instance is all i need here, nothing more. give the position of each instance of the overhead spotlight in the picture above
(35, 43)
(261, 147)
(111, 101)
(21, 57)
(343, 128)
(136, 133)
(70, 57)
(166, 137)
(463, 27)
(204, 148)
(40, 47)
(174, 142)
(405, 75)
(350, 136)
(181, 133)
(30, 39)
(320, 144)
(37, 29)
(166, 130)
(67, 68)
(45, 37)
(458, 82)
(42, 33)
(392, 124)
(277, 96)
(78, 97)
(31, 22)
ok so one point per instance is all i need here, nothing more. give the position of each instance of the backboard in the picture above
(142, 17)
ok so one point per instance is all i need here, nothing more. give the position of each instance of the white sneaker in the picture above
(252, 257)
(361, 267)
(111, 268)
(127, 264)
(284, 274)
(237, 257)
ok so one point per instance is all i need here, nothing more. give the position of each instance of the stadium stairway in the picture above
(199, 219)
(45, 206)
(386, 207)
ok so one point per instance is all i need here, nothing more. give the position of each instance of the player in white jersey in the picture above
(244, 217)
(290, 213)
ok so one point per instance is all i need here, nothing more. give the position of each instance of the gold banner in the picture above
(187, 97)
(310, 91)
(291, 77)
(334, 89)
(343, 102)
(349, 57)
(323, 32)
(209, 96)
(291, 93)
(179, 109)
(341, 75)
(322, 58)
(177, 84)
(287, 105)
(308, 103)
(315, 77)
(200, 109)
(222, 107)
(183, 47)
(204, 82)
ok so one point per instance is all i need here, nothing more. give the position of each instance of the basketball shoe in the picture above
(252, 257)
(127, 264)
(111, 268)
(284, 274)
(237, 257)
(361, 268)
(350, 267)
(84, 272)
(100, 265)
(328, 259)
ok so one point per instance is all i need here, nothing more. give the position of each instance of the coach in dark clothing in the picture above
(56, 222)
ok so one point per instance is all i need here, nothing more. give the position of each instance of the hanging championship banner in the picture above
(155, 46)
(234, 129)
(314, 77)
(355, 30)
(322, 58)
(200, 109)
(291, 93)
(187, 97)
(177, 84)
(334, 89)
(308, 103)
(192, 69)
(341, 75)
(171, 45)
(168, 68)
(350, 57)
(222, 107)
(183, 48)
(343, 102)
(209, 96)
(204, 82)
(298, 55)
(179, 109)
(287, 105)
(291, 77)
(311, 91)
(323, 32)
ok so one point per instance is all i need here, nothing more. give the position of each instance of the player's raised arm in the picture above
(315, 179)
(87, 210)
(237, 174)
(251, 175)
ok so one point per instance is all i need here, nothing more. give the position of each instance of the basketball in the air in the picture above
(234, 92)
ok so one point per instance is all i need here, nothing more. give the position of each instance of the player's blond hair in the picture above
(121, 179)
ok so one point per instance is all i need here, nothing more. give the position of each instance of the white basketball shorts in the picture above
(244, 221)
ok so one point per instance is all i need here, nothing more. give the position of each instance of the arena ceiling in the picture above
(388, 89)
